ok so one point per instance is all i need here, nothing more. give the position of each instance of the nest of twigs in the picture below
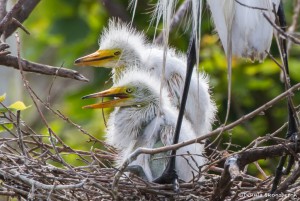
(27, 172)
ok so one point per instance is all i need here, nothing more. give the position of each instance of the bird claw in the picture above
(169, 176)
(293, 137)
(175, 185)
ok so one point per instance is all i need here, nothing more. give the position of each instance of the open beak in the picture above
(118, 93)
(97, 59)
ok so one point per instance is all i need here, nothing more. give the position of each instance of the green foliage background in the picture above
(62, 31)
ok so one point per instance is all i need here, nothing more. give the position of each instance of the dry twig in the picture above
(12, 61)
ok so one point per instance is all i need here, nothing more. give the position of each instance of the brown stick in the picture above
(231, 170)
(12, 61)
(250, 156)
(8, 17)
(2, 8)
(281, 32)
(21, 15)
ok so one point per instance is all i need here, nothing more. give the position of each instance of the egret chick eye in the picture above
(117, 53)
(129, 90)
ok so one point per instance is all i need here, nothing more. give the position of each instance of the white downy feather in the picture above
(137, 53)
(251, 32)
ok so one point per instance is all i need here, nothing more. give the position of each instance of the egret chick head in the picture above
(120, 45)
(135, 89)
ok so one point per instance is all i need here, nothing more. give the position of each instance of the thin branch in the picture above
(246, 177)
(293, 26)
(281, 32)
(17, 175)
(12, 61)
(19, 24)
(30, 91)
(20, 135)
(252, 7)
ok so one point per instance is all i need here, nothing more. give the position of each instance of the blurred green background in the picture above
(62, 31)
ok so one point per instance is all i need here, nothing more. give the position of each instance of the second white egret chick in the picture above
(122, 48)
(139, 121)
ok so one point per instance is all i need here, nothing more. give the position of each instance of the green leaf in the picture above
(18, 106)
(2, 98)
(15, 106)
(9, 126)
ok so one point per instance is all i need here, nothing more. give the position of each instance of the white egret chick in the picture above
(251, 34)
(123, 48)
(139, 121)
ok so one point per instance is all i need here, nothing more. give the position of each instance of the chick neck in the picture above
(118, 73)
(137, 118)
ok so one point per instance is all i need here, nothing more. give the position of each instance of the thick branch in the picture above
(2, 8)
(230, 173)
(8, 17)
(240, 160)
(21, 15)
(12, 61)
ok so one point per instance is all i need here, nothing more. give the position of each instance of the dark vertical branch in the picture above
(292, 131)
(292, 127)
(191, 61)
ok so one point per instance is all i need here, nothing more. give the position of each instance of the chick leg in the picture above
(169, 175)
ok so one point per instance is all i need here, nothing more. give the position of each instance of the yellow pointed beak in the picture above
(119, 93)
(100, 58)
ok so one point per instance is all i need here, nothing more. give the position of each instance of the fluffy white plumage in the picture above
(120, 36)
(138, 54)
(251, 32)
(149, 125)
